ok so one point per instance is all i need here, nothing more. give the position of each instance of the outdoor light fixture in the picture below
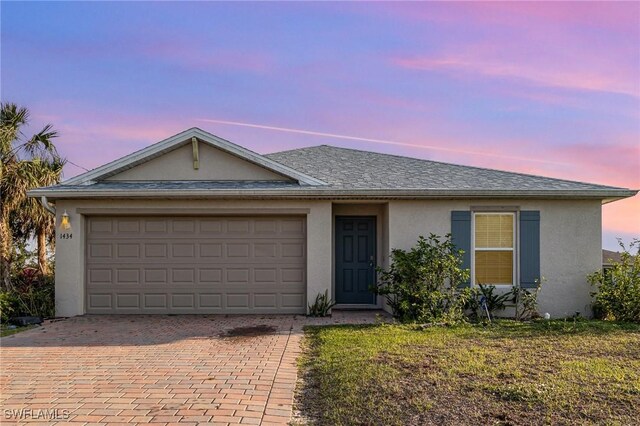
(64, 223)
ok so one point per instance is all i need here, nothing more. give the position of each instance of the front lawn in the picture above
(509, 373)
(6, 331)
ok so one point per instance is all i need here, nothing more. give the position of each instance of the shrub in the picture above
(421, 284)
(7, 303)
(525, 301)
(617, 295)
(33, 294)
(494, 301)
(321, 306)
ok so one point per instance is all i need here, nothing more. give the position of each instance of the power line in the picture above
(77, 165)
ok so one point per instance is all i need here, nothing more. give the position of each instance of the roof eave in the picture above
(60, 192)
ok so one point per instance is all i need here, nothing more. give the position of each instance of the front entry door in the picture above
(355, 259)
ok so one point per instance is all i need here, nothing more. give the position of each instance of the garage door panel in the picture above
(183, 300)
(128, 301)
(210, 300)
(265, 300)
(210, 250)
(292, 226)
(100, 276)
(179, 276)
(196, 265)
(127, 276)
(265, 275)
(293, 300)
(126, 273)
(101, 226)
(101, 301)
(128, 250)
(155, 301)
(155, 250)
(183, 226)
(128, 226)
(209, 275)
(237, 300)
(183, 250)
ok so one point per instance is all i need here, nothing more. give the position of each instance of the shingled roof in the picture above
(328, 172)
(353, 169)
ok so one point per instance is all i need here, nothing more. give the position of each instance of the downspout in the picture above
(48, 207)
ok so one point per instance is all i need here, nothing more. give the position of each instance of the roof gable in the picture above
(239, 162)
(213, 165)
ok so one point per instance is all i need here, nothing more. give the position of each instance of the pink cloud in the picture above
(90, 136)
(615, 17)
(576, 46)
(622, 217)
(472, 65)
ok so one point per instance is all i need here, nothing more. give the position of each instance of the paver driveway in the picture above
(156, 369)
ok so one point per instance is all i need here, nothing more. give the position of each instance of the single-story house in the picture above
(610, 257)
(197, 224)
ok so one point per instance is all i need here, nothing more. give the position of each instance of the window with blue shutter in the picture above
(494, 248)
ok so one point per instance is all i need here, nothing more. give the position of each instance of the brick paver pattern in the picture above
(155, 369)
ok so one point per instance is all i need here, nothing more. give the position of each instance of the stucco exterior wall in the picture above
(570, 242)
(70, 263)
(214, 164)
(570, 239)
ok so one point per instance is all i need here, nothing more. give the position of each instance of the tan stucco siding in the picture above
(570, 242)
(70, 269)
(214, 164)
(570, 239)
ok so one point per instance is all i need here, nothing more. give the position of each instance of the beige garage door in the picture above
(196, 265)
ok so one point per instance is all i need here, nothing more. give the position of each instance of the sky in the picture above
(545, 88)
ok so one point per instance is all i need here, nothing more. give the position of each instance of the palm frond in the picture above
(41, 143)
(12, 118)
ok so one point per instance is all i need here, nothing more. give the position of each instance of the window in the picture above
(494, 248)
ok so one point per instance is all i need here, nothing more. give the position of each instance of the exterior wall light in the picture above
(65, 223)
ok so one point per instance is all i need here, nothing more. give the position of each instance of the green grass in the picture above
(508, 373)
(4, 331)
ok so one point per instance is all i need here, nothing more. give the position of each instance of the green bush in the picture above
(617, 295)
(7, 303)
(525, 301)
(421, 284)
(33, 294)
(494, 301)
(322, 305)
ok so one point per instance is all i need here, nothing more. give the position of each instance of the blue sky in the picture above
(547, 88)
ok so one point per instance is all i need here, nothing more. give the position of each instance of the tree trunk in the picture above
(42, 251)
(5, 255)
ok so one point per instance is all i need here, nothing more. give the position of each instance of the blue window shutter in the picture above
(529, 248)
(461, 236)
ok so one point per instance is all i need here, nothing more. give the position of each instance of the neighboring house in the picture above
(610, 257)
(197, 224)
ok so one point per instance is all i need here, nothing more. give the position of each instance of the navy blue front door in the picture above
(355, 259)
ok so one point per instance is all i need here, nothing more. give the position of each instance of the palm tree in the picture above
(30, 218)
(26, 164)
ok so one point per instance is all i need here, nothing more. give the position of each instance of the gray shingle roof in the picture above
(352, 174)
(352, 169)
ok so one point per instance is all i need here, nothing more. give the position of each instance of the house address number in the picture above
(66, 236)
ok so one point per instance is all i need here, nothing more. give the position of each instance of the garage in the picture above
(183, 265)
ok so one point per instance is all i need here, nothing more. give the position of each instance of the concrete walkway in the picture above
(188, 369)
